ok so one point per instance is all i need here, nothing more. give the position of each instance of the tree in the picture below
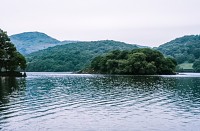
(196, 66)
(136, 62)
(197, 53)
(180, 58)
(10, 58)
(191, 58)
(151, 68)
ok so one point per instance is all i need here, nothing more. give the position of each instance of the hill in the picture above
(29, 42)
(72, 56)
(185, 49)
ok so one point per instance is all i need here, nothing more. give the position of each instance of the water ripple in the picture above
(54, 101)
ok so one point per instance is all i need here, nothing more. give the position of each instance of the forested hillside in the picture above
(72, 56)
(183, 49)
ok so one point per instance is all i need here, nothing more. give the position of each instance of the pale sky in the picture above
(144, 22)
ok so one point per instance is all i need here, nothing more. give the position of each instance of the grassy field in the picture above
(186, 66)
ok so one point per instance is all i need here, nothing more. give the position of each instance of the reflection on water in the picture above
(59, 101)
(10, 86)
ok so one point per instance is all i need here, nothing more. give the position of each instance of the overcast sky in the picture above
(144, 22)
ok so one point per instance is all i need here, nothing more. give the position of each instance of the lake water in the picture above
(60, 101)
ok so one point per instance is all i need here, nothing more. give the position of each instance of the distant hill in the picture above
(185, 49)
(72, 56)
(29, 42)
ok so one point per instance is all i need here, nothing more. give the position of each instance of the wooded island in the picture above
(143, 61)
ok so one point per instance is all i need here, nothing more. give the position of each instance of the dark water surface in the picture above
(59, 101)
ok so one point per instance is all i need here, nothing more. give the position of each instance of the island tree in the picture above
(10, 59)
(136, 62)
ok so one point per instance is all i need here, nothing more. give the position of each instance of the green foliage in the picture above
(10, 59)
(184, 49)
(196, 66)
(75, 56)
(136, 62)
(197, 53)
(191, 58)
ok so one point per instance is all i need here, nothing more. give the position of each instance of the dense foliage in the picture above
(10, 58)
(29, 42)
(72, 56)
(184, 49)
(196, 66)
(136, 62)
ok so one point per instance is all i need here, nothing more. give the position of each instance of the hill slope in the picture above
(29, 42)
(183, 49)
(72, 56)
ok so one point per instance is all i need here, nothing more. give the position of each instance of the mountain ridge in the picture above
(28, 42)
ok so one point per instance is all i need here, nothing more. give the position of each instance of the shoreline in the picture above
(12, 74)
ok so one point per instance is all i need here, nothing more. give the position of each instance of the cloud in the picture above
(125, 20)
